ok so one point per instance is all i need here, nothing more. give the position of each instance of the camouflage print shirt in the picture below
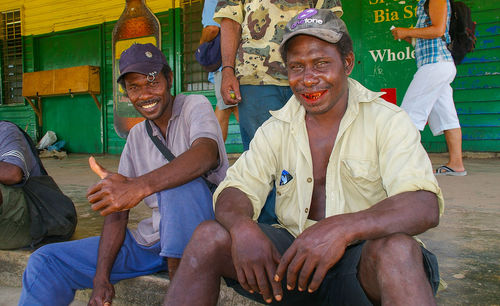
(258, 61)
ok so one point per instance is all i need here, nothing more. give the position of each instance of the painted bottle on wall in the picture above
(137, 24)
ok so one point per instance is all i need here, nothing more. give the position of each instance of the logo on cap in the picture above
(304, 17)
(149, 54)
(307, 13)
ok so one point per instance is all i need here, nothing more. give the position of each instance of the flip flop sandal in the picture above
(444, 170)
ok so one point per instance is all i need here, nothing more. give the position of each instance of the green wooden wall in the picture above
(477, 84)
(383, 63)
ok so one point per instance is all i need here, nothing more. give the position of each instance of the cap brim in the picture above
(142, 68)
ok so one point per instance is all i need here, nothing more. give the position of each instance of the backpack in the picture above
(462, 30)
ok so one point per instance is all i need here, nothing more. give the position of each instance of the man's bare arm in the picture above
(233, 207)
(209, 33)
(112, 237)
(319, 247)
(230, 40)
(437, 13)
(116, 192)
(10, 174)
(254, 256)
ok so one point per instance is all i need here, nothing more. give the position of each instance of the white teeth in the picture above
(149, 105)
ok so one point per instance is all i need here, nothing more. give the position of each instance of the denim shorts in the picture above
(340, 285)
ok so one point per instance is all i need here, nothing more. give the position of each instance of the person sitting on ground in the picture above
(176, 191)
(354, 186)
(17, 164)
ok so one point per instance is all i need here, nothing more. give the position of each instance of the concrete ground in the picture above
(466, 241)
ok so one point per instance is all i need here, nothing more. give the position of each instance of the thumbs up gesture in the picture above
(114, 192)
(98, 169)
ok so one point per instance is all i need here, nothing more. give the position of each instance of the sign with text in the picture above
(386, 63)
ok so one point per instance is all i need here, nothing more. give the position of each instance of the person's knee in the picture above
(42, 254)
(208, 242)
(391, 251)
(38, 262)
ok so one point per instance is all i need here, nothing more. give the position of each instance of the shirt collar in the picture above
(176, 112)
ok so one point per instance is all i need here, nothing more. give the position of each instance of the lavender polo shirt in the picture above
(192, 118)
(14, 149)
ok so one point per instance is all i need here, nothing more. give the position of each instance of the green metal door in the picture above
(76, 120)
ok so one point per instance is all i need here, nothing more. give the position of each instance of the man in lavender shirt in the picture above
(175, 191)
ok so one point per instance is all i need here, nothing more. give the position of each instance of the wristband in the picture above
(228, 67)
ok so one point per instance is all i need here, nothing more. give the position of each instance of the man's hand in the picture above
(316, 250)
(230, 87)
(102, 294)
(255, 259)
(114, 192)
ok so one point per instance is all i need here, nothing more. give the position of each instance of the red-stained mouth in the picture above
(313, 96)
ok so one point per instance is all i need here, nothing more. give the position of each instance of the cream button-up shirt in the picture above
(377, 154)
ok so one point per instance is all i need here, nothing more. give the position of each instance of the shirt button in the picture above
(279, 193)
(306, 210)
(309, 179)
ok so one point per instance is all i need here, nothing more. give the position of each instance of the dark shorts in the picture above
(340, 285)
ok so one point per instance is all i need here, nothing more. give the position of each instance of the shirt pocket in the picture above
(362, 182)
(287, 206)
(287, 190)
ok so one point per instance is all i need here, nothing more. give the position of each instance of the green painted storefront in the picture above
(381, 63)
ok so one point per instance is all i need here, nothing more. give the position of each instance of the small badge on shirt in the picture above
(285, 177)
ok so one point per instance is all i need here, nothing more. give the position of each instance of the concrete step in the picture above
(143, 290)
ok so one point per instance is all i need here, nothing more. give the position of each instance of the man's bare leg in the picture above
(223, 118)
(454, 143)
(391, 272)
(172, 264)
(206, 258)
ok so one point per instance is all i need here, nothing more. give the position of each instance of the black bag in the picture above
(169, 155)
(462, 30)
(53, 215)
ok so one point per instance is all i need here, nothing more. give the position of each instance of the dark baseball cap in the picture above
(142, 58)
(321, 23)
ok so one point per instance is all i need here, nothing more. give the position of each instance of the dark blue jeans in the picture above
(256, 102)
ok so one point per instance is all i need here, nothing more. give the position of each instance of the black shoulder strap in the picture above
(163, 149)
(169, 156)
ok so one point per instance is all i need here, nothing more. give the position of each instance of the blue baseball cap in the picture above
(145, 59)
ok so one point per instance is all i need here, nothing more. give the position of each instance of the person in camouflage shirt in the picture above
(252, 66)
